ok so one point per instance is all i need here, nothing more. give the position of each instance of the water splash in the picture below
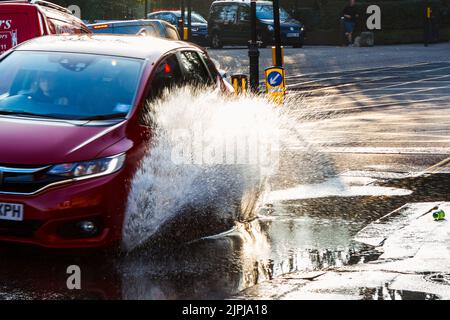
(208, 162)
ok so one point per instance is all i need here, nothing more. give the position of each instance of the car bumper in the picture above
(285, 40)
(199, 38)
(50, 217)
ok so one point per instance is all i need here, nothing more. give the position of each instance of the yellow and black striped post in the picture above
(240, 84)
(274, 56)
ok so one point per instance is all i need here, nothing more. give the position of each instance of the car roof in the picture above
(138, 22)
(240, 2)
(111, 45)
(177, 12)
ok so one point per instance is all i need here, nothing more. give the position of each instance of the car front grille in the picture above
(25, 180)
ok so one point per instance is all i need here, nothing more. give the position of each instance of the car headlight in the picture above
(270, 28)
(86, 169)
(195, 29)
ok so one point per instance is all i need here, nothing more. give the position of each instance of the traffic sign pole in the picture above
(189, 18)
(146, 9)
(277, 30)
(253, 51)
(181, 27)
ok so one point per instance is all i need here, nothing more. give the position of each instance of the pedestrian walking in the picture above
(350, 15)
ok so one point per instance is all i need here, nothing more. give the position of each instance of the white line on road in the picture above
(379, 150)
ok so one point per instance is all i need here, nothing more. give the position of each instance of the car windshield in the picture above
(196, 18)
(265, 12)
(67, 85)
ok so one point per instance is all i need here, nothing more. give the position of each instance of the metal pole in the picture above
(277, 30)
(183, 12)
(428, 31)
(189, 19)
(146, 9)
(253, 51)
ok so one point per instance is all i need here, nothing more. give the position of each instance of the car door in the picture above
(167, 76)
(243, 24)
(195, 72)
(228, 16)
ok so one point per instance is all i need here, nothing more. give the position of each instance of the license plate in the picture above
(293, 35)
(11, 211)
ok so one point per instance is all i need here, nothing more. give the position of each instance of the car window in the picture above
(196, 18)
(169, 17)
(265, 12)
(126, 29)
(216, 12)
(244, 13)
(211, 68)
(167, 76)
(68, 85)
(172, 33)
(229, 13)
(224, 13)
(195, 72)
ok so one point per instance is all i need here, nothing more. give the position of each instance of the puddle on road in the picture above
(215, 268)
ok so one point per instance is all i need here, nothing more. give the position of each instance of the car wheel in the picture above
(216, 42)
(300, 43)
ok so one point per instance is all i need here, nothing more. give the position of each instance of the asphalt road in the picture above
(372, 136)
(385, 126)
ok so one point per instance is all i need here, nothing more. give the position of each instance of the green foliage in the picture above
(107, 9)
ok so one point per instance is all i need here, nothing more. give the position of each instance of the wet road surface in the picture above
(376, 140)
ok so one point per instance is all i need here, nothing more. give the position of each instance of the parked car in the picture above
(199, 26)
(229, 24)
(157, 28)
(73, 131)
(24, 20)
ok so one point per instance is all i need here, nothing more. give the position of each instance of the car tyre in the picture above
(216, 41)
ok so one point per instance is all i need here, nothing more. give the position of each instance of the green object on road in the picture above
(439, 215)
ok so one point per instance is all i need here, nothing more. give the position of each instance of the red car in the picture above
(72, 134)
(24, 20)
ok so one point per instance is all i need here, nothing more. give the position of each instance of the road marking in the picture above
(440, 167)
(379, 150)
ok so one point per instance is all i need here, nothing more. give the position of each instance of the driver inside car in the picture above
(44, 90)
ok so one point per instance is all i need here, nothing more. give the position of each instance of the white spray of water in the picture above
(207, 151)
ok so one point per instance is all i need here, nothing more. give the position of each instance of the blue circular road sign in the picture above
(275, 78)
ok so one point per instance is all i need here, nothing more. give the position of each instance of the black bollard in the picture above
(253, 51)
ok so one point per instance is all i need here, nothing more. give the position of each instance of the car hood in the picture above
(285, 23)
(35, 142)
(198, 24)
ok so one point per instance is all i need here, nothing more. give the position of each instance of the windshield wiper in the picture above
(29, 114)
(113, 116)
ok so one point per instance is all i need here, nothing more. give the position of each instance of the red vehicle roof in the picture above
(124, 46)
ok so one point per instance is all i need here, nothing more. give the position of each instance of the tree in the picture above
(107, 9)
